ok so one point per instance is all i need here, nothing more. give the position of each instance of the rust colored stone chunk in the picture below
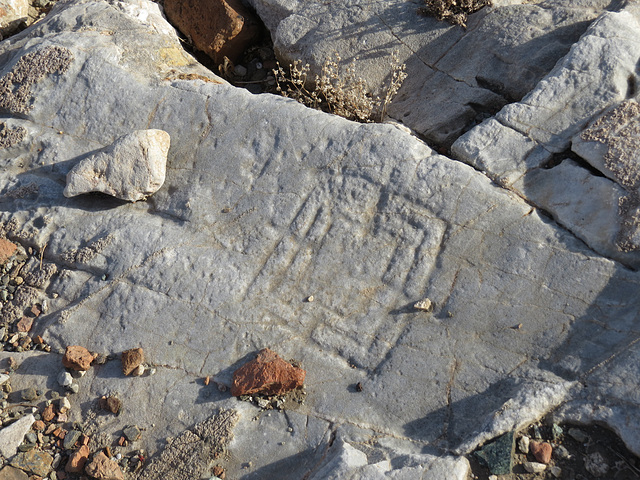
(219, 28)
(132, 359)
(7, 249)
(77, 460)
(541, 451)
(77, 358)
(268, 374)
(103, 468)
(24, 324)
(48, 413)
(38, 425)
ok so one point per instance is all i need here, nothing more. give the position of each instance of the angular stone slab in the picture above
(131, 168)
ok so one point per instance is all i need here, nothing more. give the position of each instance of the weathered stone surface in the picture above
(77, 358)
(267, 374)
(34, 461)
(131, 359)
(12, 12)
(516, 147)
(12, 435)
(498, 455)
(104, 468)
(77, 459)
(11, 473)
(219, 28)
(266, 203)
(132, 168)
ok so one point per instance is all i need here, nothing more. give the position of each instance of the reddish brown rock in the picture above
(77, 460)
(7, 249)
(268, 374)
(103, 468)
(132, 359)
(38, 425)
(541, 451)
(77, 358)
(219, 28)
(48, 413)
(24, 324)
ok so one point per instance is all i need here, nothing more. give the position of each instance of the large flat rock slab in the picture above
(266, 203)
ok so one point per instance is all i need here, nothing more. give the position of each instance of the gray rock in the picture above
(132, 168)
(12, 435)
(534, 467)
(65, 379)
(266, 202)
(498, 455)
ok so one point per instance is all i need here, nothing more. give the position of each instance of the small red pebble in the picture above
(84, 440)
(122, 442)
(38, 425)
(48, 413)
(541, 451)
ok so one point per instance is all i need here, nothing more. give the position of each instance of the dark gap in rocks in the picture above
(631, 86)
(557, 158)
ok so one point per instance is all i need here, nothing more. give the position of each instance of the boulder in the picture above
(219, 28)
(131, 168)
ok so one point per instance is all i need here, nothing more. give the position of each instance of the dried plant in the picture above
(339, 92)
(453, 11)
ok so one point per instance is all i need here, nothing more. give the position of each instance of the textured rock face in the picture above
(132, 168)
(131, 359)
(220, 28)
(266, 203)
(267, 374)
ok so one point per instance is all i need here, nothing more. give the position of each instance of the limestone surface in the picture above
(267, 203)
(131, 168)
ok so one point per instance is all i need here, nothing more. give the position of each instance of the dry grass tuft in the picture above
(453, 11)
(339, 92)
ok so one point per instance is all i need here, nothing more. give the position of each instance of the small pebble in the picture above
(523, 444)
(138, 371)
(240, 70)
(74, 388)
(556, 431)
(64, 403)
(596, 465)
(493, 477)
(555, 471)
(534, 467)
(310, 298)
(536, 433)
(65, 379)
(561, 453)
(30, 394)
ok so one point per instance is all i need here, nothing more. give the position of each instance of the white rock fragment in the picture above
(596, 465)
(131, 168)
(64, 404)
(4, 378)
(425, 305)
(138, 371)
(11, 436)
(523, 444)
(65, 379)
(534, 467)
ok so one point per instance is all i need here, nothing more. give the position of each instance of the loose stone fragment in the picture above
(131, 168)
(498, 454)
(65, 379)
(12, 435)
(4, 378)
(132, 433)
(555, 471)
(29, 394)
(33, 461)
(561, 452)
(77, 358)
(111, 404)
(534, 467)
(425, 305)
(48, 413)
(131, 359)
(541, 451)
(77, 460)
(71, 438)
(268, 374)
(103, 468)
(523, 444)
(12, 473)
(578, 435)
(7, 249)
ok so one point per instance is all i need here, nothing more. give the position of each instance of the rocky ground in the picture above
(265, 290)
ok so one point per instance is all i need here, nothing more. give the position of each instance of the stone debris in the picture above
(267, 374)
(132, 433)
(131, 359)
(77, 358)
(7, 250)
(556, 471)
(541, 451)
(12, 435)
(498, 455)
(77, 460)
(65, 379)
(12, 473)
(33, 461)
(110, 403)
(425, 305)
(523, 444)
(578, 435)
(534, 467)
(104, 468)
(131, 168)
